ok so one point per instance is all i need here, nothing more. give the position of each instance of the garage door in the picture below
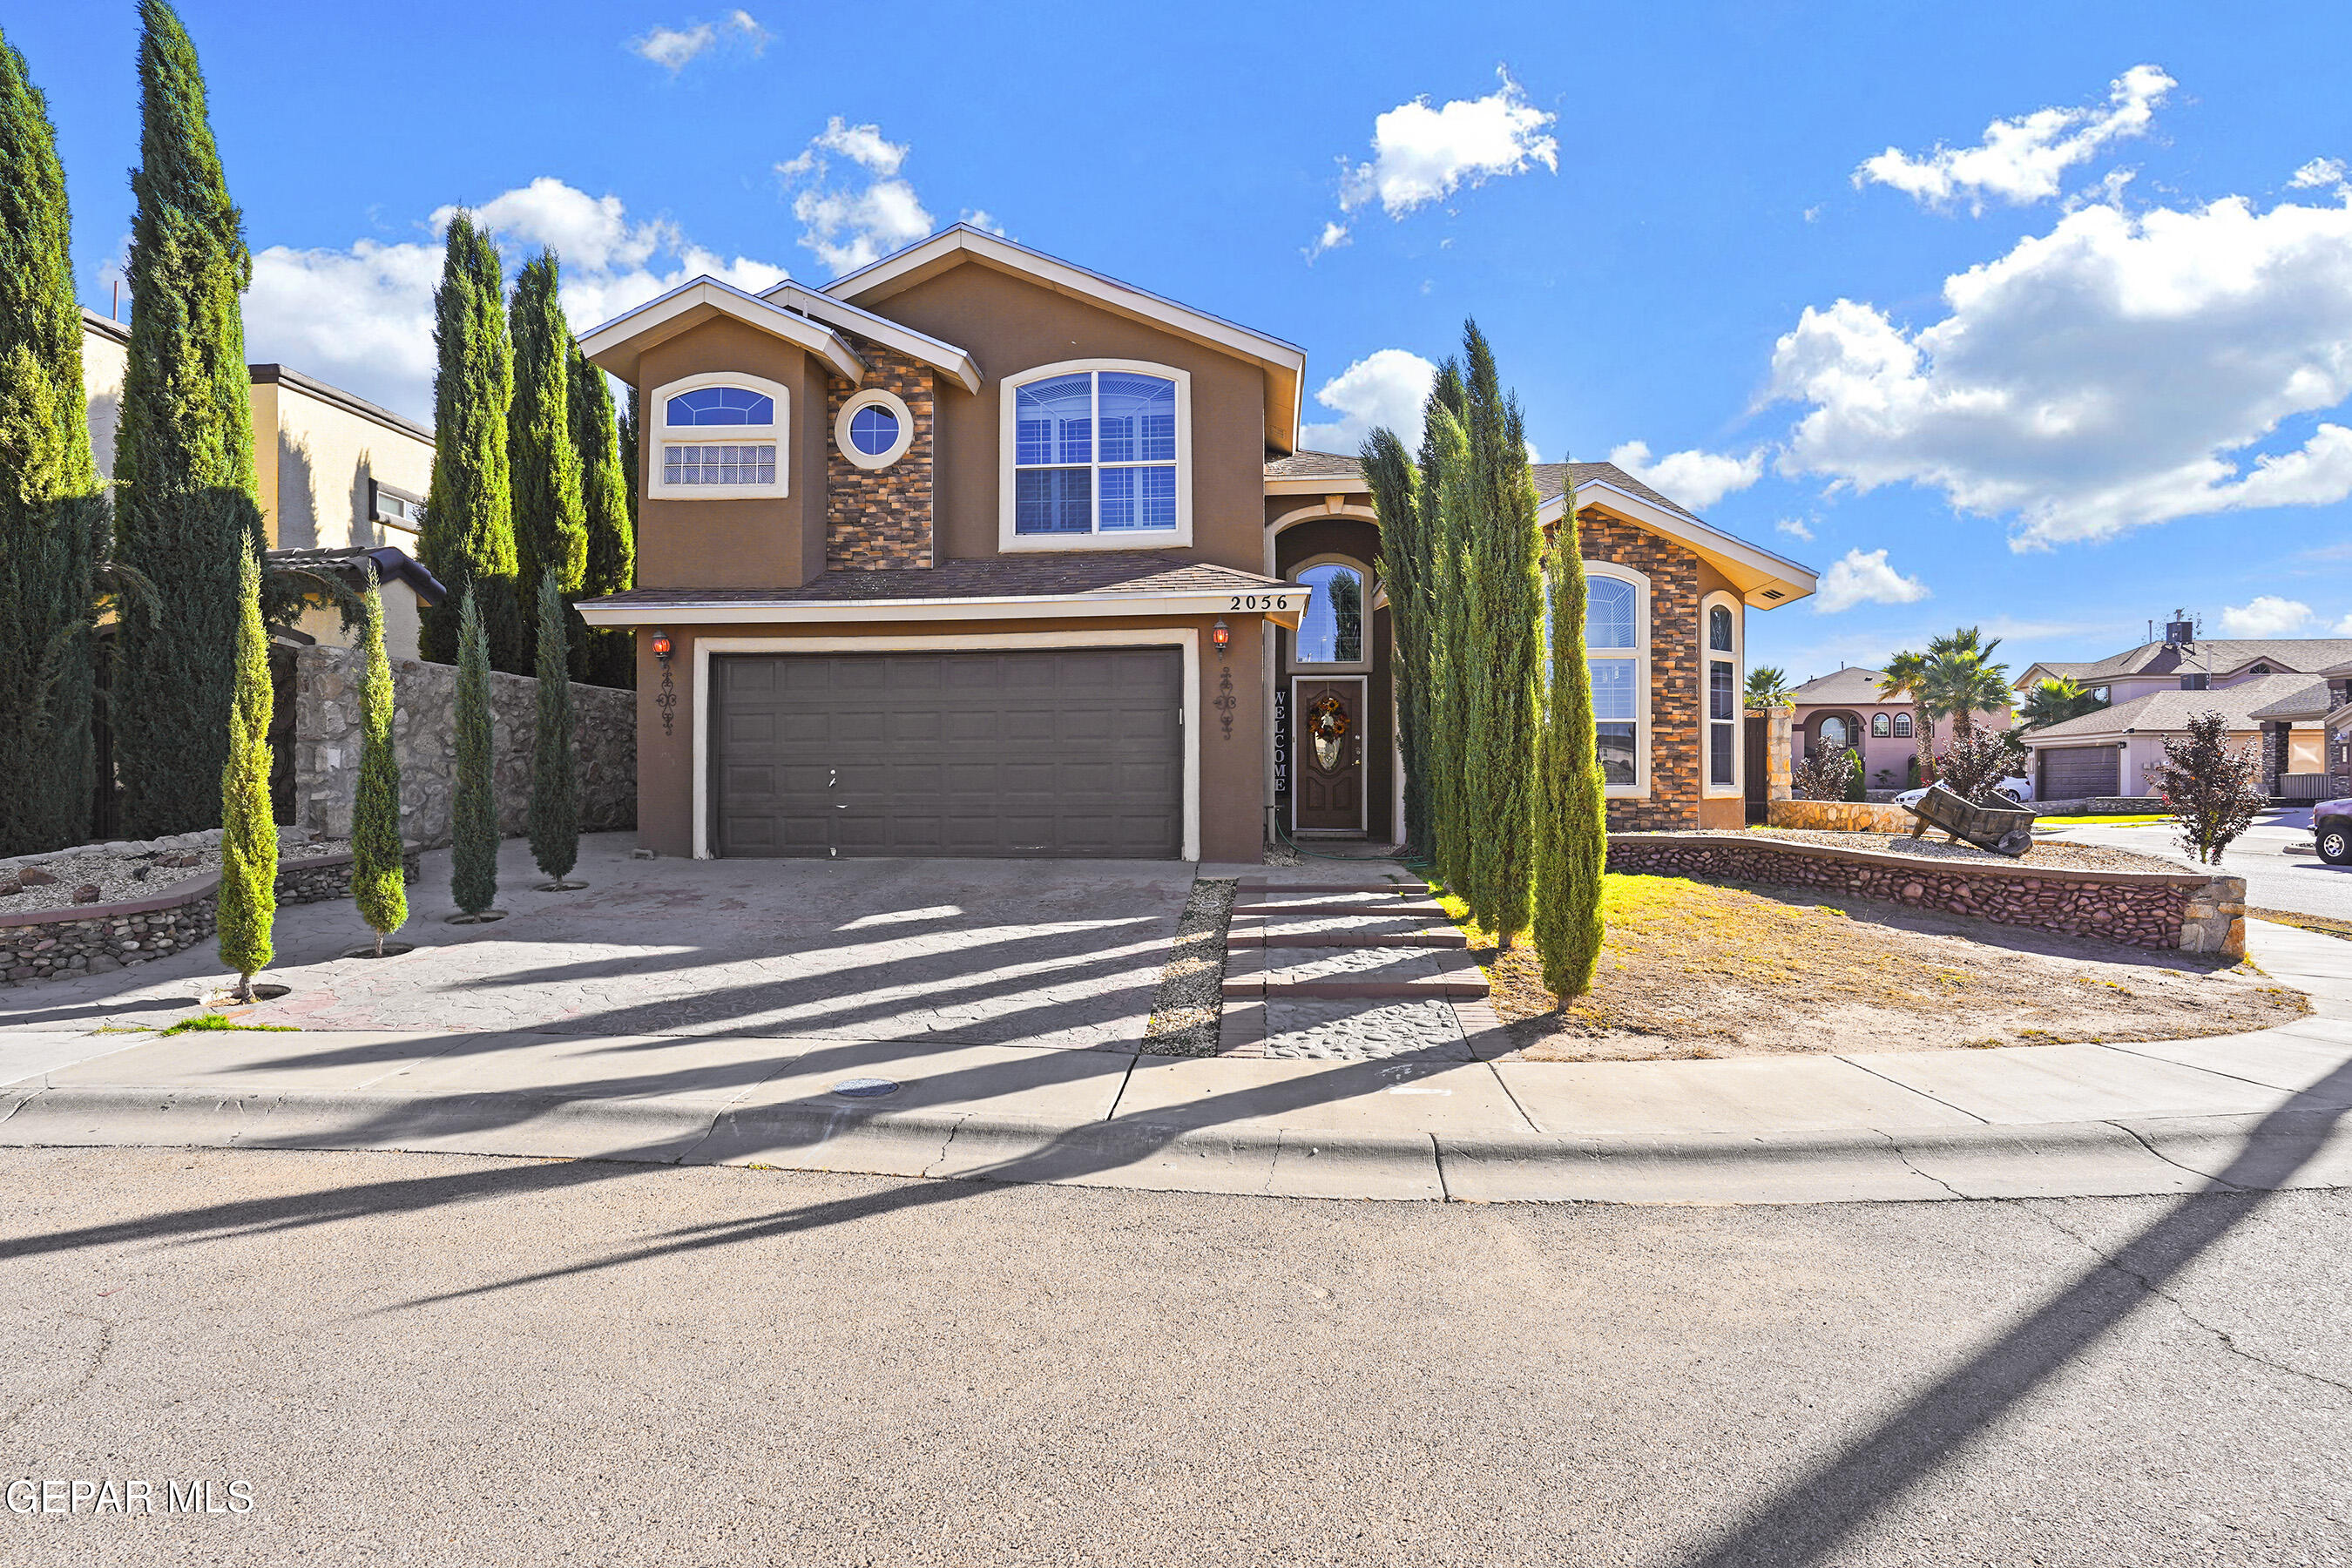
(1055, 752)
(2073, 772)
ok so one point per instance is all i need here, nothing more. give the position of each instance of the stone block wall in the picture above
(424, 728)
(1838, 816)
(1673, 738)
(96, 939)
(2189, 911)
(880, 518)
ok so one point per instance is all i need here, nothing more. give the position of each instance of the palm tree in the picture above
(1960, 679)
(2055, 700)
(1902, 682)
(1768, 687)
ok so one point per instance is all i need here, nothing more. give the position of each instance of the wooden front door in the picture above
(1327, 748)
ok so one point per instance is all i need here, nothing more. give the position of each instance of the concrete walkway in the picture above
(2248, 1111)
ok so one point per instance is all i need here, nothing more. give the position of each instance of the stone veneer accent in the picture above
(423, 733)
(1673, 737)
(1838, 816)
(2191, 910)
(880, 518)
(94, 939)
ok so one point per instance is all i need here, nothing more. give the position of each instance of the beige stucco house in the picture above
(976, 551)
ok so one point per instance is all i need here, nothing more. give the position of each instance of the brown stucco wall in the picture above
(739, 543)
(880, 518)
(1232, 754)
(1011, 324)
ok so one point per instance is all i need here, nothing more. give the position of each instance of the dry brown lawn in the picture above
(1698, 969)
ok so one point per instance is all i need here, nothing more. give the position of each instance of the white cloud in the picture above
(362, 318)
(2113, 372)
(1695, 479)
(2021, 161)
(864, 217)
(2265, 616)
(1422, 154)
(2343, 628)
(675, 48)
(2320, 174)
(1387, 386)
(1794, 528)
(1864, 578)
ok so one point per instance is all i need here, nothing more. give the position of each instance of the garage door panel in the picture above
(2073, 772)
(1029, 751)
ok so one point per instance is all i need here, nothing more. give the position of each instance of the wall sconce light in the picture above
(1220, 637)
(662, 648)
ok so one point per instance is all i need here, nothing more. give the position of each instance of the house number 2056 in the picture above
(1260, 602)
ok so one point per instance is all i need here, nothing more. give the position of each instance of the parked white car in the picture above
(2019, 790)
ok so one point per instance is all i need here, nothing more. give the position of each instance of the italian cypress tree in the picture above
(1505, 609)
(554, 775)
(1442, 747)
(1571, 807)
(631, 457)
(247, 905)
(378, 877)
(53, 521)
(187, 513)
(1446, 462)
(468, 536)
(474, 827)
(551, 531)
(611, 653)
(1403, 567)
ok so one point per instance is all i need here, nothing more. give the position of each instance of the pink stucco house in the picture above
(1846, 707)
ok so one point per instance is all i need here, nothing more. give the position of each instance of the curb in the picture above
(2168, 1155)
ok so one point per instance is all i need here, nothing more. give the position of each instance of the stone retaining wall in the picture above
(1838, 816)
(2189, 911)
(424, 731)
(93, 938)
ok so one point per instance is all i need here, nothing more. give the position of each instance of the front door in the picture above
(1327, 748)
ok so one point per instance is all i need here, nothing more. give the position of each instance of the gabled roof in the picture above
(2216, 656)
(615, 346)
(2169, 712)
(1284, 363)
(2312, 702)
(2049, 670)
(933, 352)
(1851, 685)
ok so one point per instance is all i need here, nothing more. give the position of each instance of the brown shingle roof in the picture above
(1552, 478)
(2163, 712)
(1314, 466)
(1003, 577)
(2303, 655)
(1852, 684)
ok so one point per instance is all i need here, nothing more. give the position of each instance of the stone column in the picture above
(2214, 920)
(1778, 740)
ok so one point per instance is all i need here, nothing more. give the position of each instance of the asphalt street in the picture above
(424, 1359)
(2275, 858)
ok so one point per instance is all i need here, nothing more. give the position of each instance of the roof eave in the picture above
(936, 353)
(616, 345)
(1765, 581)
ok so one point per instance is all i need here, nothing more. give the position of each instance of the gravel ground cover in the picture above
(58, 880)
(1186, 1006)
(2075, 857)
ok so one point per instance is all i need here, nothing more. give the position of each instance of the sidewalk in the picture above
(2249, 1111)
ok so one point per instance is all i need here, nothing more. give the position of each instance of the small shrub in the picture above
(1972, 765)
(1855, 789)
(1825, 775)
(2214, 789)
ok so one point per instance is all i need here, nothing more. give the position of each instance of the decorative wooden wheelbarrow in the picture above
(2005, 830)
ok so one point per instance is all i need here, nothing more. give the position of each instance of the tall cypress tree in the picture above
(1506, 605)
(379, 877)
(187, 512)
(245, 908)
(474, 809)
(1403, 567)
(1442, 747)
(53, 521)
(468, 537)
(1447, 473)
(1571, 807)
(554, 818)
(551, 531)
(611, 658)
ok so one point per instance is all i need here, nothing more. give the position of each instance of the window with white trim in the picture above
(1332, 631)
(1096, 453)
(719, 435)
(874, 428)
(1617, 650)
(1723, 699)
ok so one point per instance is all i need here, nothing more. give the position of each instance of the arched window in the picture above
(1097, 452)
(1718, 629)
(1833, 733)
(1903, 725)
(1332, 630)
(1880, 726)
(1617, 647)
(1719, 735)
(719, 435)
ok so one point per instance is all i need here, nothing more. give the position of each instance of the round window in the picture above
(874, 430)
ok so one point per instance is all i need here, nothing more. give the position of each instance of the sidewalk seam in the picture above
(1923, 1094)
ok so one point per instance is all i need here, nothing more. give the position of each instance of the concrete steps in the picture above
(1345, 940)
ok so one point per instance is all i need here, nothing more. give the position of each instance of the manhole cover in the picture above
(864, 1087)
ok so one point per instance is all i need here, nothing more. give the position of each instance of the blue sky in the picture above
(2014, 316)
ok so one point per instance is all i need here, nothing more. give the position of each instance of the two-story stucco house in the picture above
(974, 551)
(1848, 709)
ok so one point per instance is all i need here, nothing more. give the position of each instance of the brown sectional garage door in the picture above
(2077, 772)
(1053, 752)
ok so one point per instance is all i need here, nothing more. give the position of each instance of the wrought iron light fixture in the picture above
(662, 648)
(1220, 637)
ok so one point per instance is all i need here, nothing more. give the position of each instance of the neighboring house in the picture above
(339, 478)
(978, 553)
(1848, 707)
(2273, 691)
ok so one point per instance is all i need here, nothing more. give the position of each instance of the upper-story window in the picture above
(1903, 726)
(874, 428)
(720, 436)
(1721, 735)
(395, 508)
(1616, 647)
(1880, 726)
(2199, 682)
(1096, 454)
(1332, 630)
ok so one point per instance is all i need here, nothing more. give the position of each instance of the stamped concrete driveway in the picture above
(1059, 952)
